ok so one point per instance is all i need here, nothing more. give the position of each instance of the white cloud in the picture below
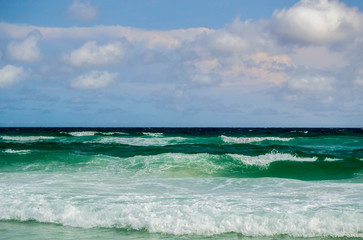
(83, 11)
(226, 42)
(10, 74)
(319, 57)
(359, 78)
(151, 39)
(91, 54)
(317, 21)
(94, 80)
(26, 50)
(311, 84)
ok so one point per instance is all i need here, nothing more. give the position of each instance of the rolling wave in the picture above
(199, 165)
(252, 139)
(140, 141)
(20, 152)
(26, 138)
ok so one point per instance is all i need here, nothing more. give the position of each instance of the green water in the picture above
(181, 183)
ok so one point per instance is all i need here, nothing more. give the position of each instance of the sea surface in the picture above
(181, 183)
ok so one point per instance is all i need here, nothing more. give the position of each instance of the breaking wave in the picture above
(26, 138)
(252, 139)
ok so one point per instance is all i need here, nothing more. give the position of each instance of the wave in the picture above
(197, 215)
(112, 133)
(82, 133)
(26, 138)
(205, 165)
(151, 134)
(93, 133)
(252, 139)
(140, 141)
(267, 159)
(20, 152)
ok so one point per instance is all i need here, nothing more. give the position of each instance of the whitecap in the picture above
(20, 152)
(153, 134)
(26, 138)
(332, 159)
(113, 133)
(252, 139)
(82, 133)
(140, 141)
(266, 159)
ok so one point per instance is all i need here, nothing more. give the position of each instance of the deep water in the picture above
(181, 183)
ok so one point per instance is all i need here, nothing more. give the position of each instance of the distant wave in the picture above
(153, 134)
(92, 133)
(252, 139)
(140, 141)
(82, 133)
(26, 138)
(112, 133)
(20, 152)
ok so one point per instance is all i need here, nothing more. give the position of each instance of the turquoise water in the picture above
(181, 183)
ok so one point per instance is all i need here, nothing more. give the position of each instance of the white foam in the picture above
(20, 152)
(82, 133)
(266, 159)
(252, 139)
(332, 159)
(153, 134)
(26, 138)
(113, 133)
(140, 141)
(175, 214)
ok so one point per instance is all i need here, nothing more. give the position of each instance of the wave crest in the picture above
(26, 138)
(252, 139)
(266, 159)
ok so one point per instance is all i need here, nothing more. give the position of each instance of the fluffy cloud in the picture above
(83, 11)
(91, 54)
(26, 50)
(10, 74)
(305, 57)
(94, 80)
(317, 21)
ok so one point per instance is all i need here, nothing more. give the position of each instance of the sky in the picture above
(169, 63)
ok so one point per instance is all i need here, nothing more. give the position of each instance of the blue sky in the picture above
(181, 63)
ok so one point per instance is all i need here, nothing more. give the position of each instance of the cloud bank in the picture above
(306, 58)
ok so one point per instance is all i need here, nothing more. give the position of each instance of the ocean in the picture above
(181, 183)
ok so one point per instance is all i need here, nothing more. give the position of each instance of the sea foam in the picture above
(141, 141)
(82, 133)
(266, 159)
(252, 139)
(26, 138)
(20, 152)
(198, 214)
(153, 134)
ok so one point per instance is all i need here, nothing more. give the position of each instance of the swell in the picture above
(177, 165)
